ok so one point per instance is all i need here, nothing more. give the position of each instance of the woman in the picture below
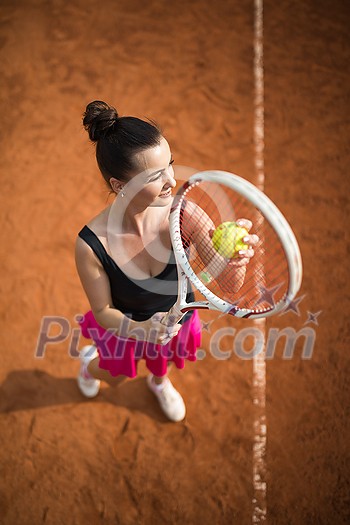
(126, 265)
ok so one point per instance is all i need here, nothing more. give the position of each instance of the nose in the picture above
(169, 178)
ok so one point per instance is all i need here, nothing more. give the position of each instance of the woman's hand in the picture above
(156, 332)
(244, 256)
(232, 277)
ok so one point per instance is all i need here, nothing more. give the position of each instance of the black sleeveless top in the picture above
(138, 299)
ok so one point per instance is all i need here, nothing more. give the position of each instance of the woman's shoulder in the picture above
(98, 224)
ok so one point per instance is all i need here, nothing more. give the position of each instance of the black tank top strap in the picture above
(96, 245)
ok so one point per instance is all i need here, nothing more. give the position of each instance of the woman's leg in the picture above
(104, 375)
(159, 380)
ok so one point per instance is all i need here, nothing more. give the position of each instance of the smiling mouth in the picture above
(166, 193)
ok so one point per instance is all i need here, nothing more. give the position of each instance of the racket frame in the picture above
(270, 213)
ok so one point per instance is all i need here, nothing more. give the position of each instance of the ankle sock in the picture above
(159, 386)
(85, 373)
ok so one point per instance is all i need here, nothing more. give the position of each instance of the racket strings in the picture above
(260, 284)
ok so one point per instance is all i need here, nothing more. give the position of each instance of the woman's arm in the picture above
(96, 285)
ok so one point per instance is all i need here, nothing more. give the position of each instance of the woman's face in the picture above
(153, 183)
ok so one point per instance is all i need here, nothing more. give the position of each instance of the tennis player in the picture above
(126, 265)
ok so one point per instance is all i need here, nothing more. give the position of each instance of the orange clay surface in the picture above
(189, 66)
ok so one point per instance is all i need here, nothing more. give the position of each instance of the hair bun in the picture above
(99, 119)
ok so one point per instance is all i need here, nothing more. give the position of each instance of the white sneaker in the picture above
(88, 386)
(169, 399)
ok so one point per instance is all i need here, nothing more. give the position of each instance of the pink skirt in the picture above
(120, 356)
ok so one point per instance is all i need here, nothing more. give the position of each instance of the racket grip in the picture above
(173, 316)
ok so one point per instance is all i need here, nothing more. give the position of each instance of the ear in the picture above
(116, 184)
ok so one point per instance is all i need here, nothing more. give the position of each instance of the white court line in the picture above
(259, 364)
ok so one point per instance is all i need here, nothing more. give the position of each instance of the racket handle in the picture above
(173, 316)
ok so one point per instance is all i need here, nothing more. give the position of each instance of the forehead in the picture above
(156, 157)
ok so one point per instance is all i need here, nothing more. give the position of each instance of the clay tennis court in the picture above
(189, 66)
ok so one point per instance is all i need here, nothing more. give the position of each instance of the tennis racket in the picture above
(259, 289)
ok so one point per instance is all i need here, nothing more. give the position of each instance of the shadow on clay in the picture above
(32, 389)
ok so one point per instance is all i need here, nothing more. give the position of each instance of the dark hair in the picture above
(117, 139)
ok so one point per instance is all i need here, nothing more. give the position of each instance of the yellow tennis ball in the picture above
(228, 239)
